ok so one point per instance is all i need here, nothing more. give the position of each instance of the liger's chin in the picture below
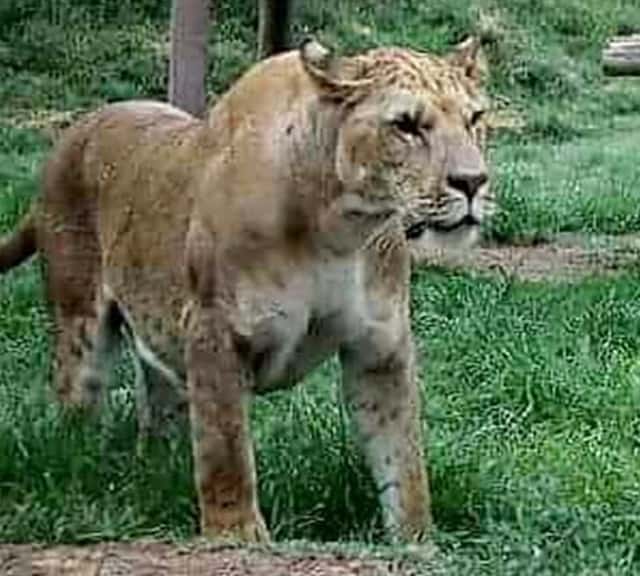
(462, 237)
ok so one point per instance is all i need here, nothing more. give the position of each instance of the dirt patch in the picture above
(568, 257)
(162, 559)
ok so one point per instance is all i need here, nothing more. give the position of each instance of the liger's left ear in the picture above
(469, 56)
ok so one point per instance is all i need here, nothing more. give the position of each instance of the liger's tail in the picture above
(19, 245)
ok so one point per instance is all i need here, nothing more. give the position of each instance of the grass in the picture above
(532, 402)
(532, 391)
(589, 184)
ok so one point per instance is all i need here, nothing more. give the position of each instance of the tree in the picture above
(273, 26)
(188, 60)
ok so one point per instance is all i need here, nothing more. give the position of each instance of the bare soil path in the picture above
(149, 558)
(568, 257)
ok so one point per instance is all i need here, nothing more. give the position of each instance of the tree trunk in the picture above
(273, 26)
(188, 63)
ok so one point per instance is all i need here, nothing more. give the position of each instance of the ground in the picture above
(570, 257)
(161, 559)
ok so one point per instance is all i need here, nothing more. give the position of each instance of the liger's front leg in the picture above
(383, 397)
(219, 388)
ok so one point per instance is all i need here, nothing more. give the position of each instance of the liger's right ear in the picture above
(334, 76)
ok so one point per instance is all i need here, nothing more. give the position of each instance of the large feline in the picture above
(241, 251)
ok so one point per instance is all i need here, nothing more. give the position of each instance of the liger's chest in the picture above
(293, 325)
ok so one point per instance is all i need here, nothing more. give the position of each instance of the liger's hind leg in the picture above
(84, 354)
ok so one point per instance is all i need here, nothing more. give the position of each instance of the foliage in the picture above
(70, 53)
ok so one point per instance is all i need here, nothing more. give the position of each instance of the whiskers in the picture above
(448, 213)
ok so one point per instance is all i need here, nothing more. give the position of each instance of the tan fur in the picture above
(241, 251)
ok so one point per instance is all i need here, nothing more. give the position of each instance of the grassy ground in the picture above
(588, 184)
(532, 391)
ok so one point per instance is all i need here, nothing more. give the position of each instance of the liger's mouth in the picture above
(418, 228)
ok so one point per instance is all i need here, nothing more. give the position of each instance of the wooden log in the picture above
(623, 39)
(622, 56)
(622, 48)
(628, 53)
(632, 46)
(621, 64)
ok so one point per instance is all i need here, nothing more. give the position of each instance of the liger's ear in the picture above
(336, 77)
(469, 56)
(315, 57)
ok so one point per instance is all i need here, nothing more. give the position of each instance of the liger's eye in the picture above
(408, 124)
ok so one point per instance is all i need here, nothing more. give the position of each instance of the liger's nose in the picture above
(467, 182)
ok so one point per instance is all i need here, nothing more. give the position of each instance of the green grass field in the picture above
(531, 390)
